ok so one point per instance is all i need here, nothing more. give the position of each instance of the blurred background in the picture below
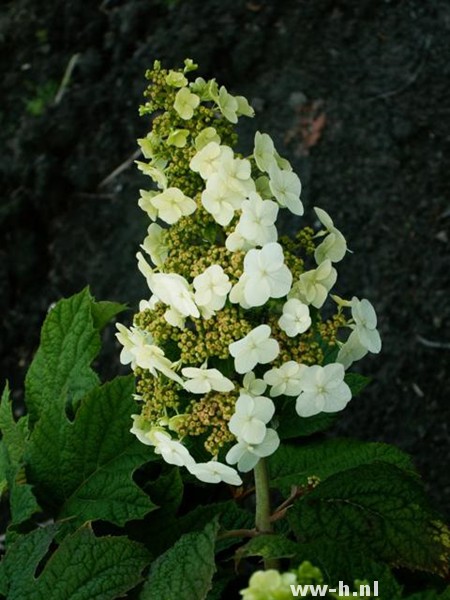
(356, 94)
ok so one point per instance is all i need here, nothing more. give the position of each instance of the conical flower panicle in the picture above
(231, 327)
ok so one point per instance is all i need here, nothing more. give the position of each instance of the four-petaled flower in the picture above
(171, 450)
(334, 245)
(313, 286)
(295, 318)
(154, 244)
(202, 381)
(215, 472)
(365, 319)
(265, 275)
(211, 288)
(286, 188)
(185, 103)
(251, 415)
(172, 204)
(247, 455)
(285, 379)
(323, 390)
(256, 347)
(257, 222)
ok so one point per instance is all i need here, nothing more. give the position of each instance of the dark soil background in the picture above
(356, 95)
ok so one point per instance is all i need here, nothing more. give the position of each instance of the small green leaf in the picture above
(83, 567)
(376, 509)
(104, 311)
(85, 468)
(185, 570)
(356, 382)
(294, 464)
(60, 372)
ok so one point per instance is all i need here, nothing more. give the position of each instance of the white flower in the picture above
(176, 79)
(173, 452)
(220, 200)
(236, 172)
(140, 351)
(295, 318)
(323, 390)
(257, 220)
(286, 188)
(178, 138)
(253, 386)
(185, 103)
(228, 105)
(170, 288)
(172, 204)
(334, 245)
(351, 351)
(237, 292)
(256, 347)
(264, 152)
(211, 288)
(285, 379)
(206, 160)
(207, 135)
(141, 428)
(251, 415)
(155, 171)
(145, 202)
(244, 107)
(174, 318)
(235, 241)
(148, 304)
(204, 380)
(149, 145)
(154, 244)
(131, 339)
(266, 275)
(313, 286)
(365, 318)
(247, 455)
(152, 358)
(215, 472)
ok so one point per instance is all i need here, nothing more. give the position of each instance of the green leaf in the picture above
(161, 532)
(60, 373)
(186, 570)
(23, 504)
(83, 567)
(166, 492)
(104, 311)
(356, 382)
(378, 510)
(85, 467)
(294, 464)
(13, 433)
(268, 546)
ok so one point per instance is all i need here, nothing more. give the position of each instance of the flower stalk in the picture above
(263, 509)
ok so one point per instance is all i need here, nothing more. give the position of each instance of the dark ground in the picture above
(356, 94)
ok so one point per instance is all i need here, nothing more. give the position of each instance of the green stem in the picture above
(262, 518)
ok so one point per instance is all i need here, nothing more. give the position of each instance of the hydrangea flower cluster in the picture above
(232, 326)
